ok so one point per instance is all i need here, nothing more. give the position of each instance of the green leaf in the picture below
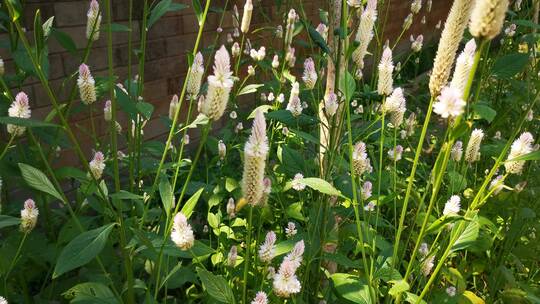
(39, 37)
(82, 249)
(116, 27)
(126, 195)
(295, 211)
(230, 184)
(321, 185)
(263, 108)
(6, 221)
(441, 222)
(509, 65)
(216, 286)
(213, 220)
(457, 181)
(484, 111)
(469, 235)
(398, 287)
(198, 10)
(146, 109)
(65, 41)
(126, 103)
(201, 119)
(90, 292)
(189, 206)
(351, 288)
(285, 117)
(39, 181)
(25, 122)
(535, 155)
(250, 88)
(347, 86)
(317, 38)
(158, 11)
(166, 194)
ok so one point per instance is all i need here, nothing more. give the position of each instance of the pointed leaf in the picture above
(189, 206)
(216, 286)
(38, 180)
(82, 249)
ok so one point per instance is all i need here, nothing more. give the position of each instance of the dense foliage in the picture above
(331, 163)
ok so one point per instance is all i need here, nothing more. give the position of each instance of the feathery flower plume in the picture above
(290, 58)
(173, 106)
(279, 31)
(296, 184)
(370, 206)
(266, 191)
(295, 105)
(450, 103)
(386, 67)
(310, 75)
(285, 281)
(521, 146)
(395, 105)
(232, 256)
(322, 29)
(487, 18)
(107, 111)
(260, 298)
(407, 22)
(275, 62)
(255, 153)
(427, 265)
(291, 20)
(452, 206)
(86, 85)
(219, 86)
(29, 216)
(222, 149)
(19, 108)
(361, 162)
(496, 185)
(93, 21)
(295, 256)
(364, 34)
(231, 208)
(2, 68)
(330, 104)
(423, 250)
(450, 37)
(97, 165)
(472, 153)
(246, 17)
(267, 250)
(195, 76)
(457, 151)
(464, 64)
(451, 291)
(416, 6)
(182, 234)
(510, 31)
(395, 153)
(290, 230)
(354, 3)
(235, 49)
(416, 44)
(366, 190)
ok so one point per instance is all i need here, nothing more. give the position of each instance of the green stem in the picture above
(248, 254)
(6, 148)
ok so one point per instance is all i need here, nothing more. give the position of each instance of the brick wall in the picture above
(168, 42)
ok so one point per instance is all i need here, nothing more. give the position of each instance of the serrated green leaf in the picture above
(509, 65)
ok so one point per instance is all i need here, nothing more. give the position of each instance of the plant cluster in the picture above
(331, 164)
